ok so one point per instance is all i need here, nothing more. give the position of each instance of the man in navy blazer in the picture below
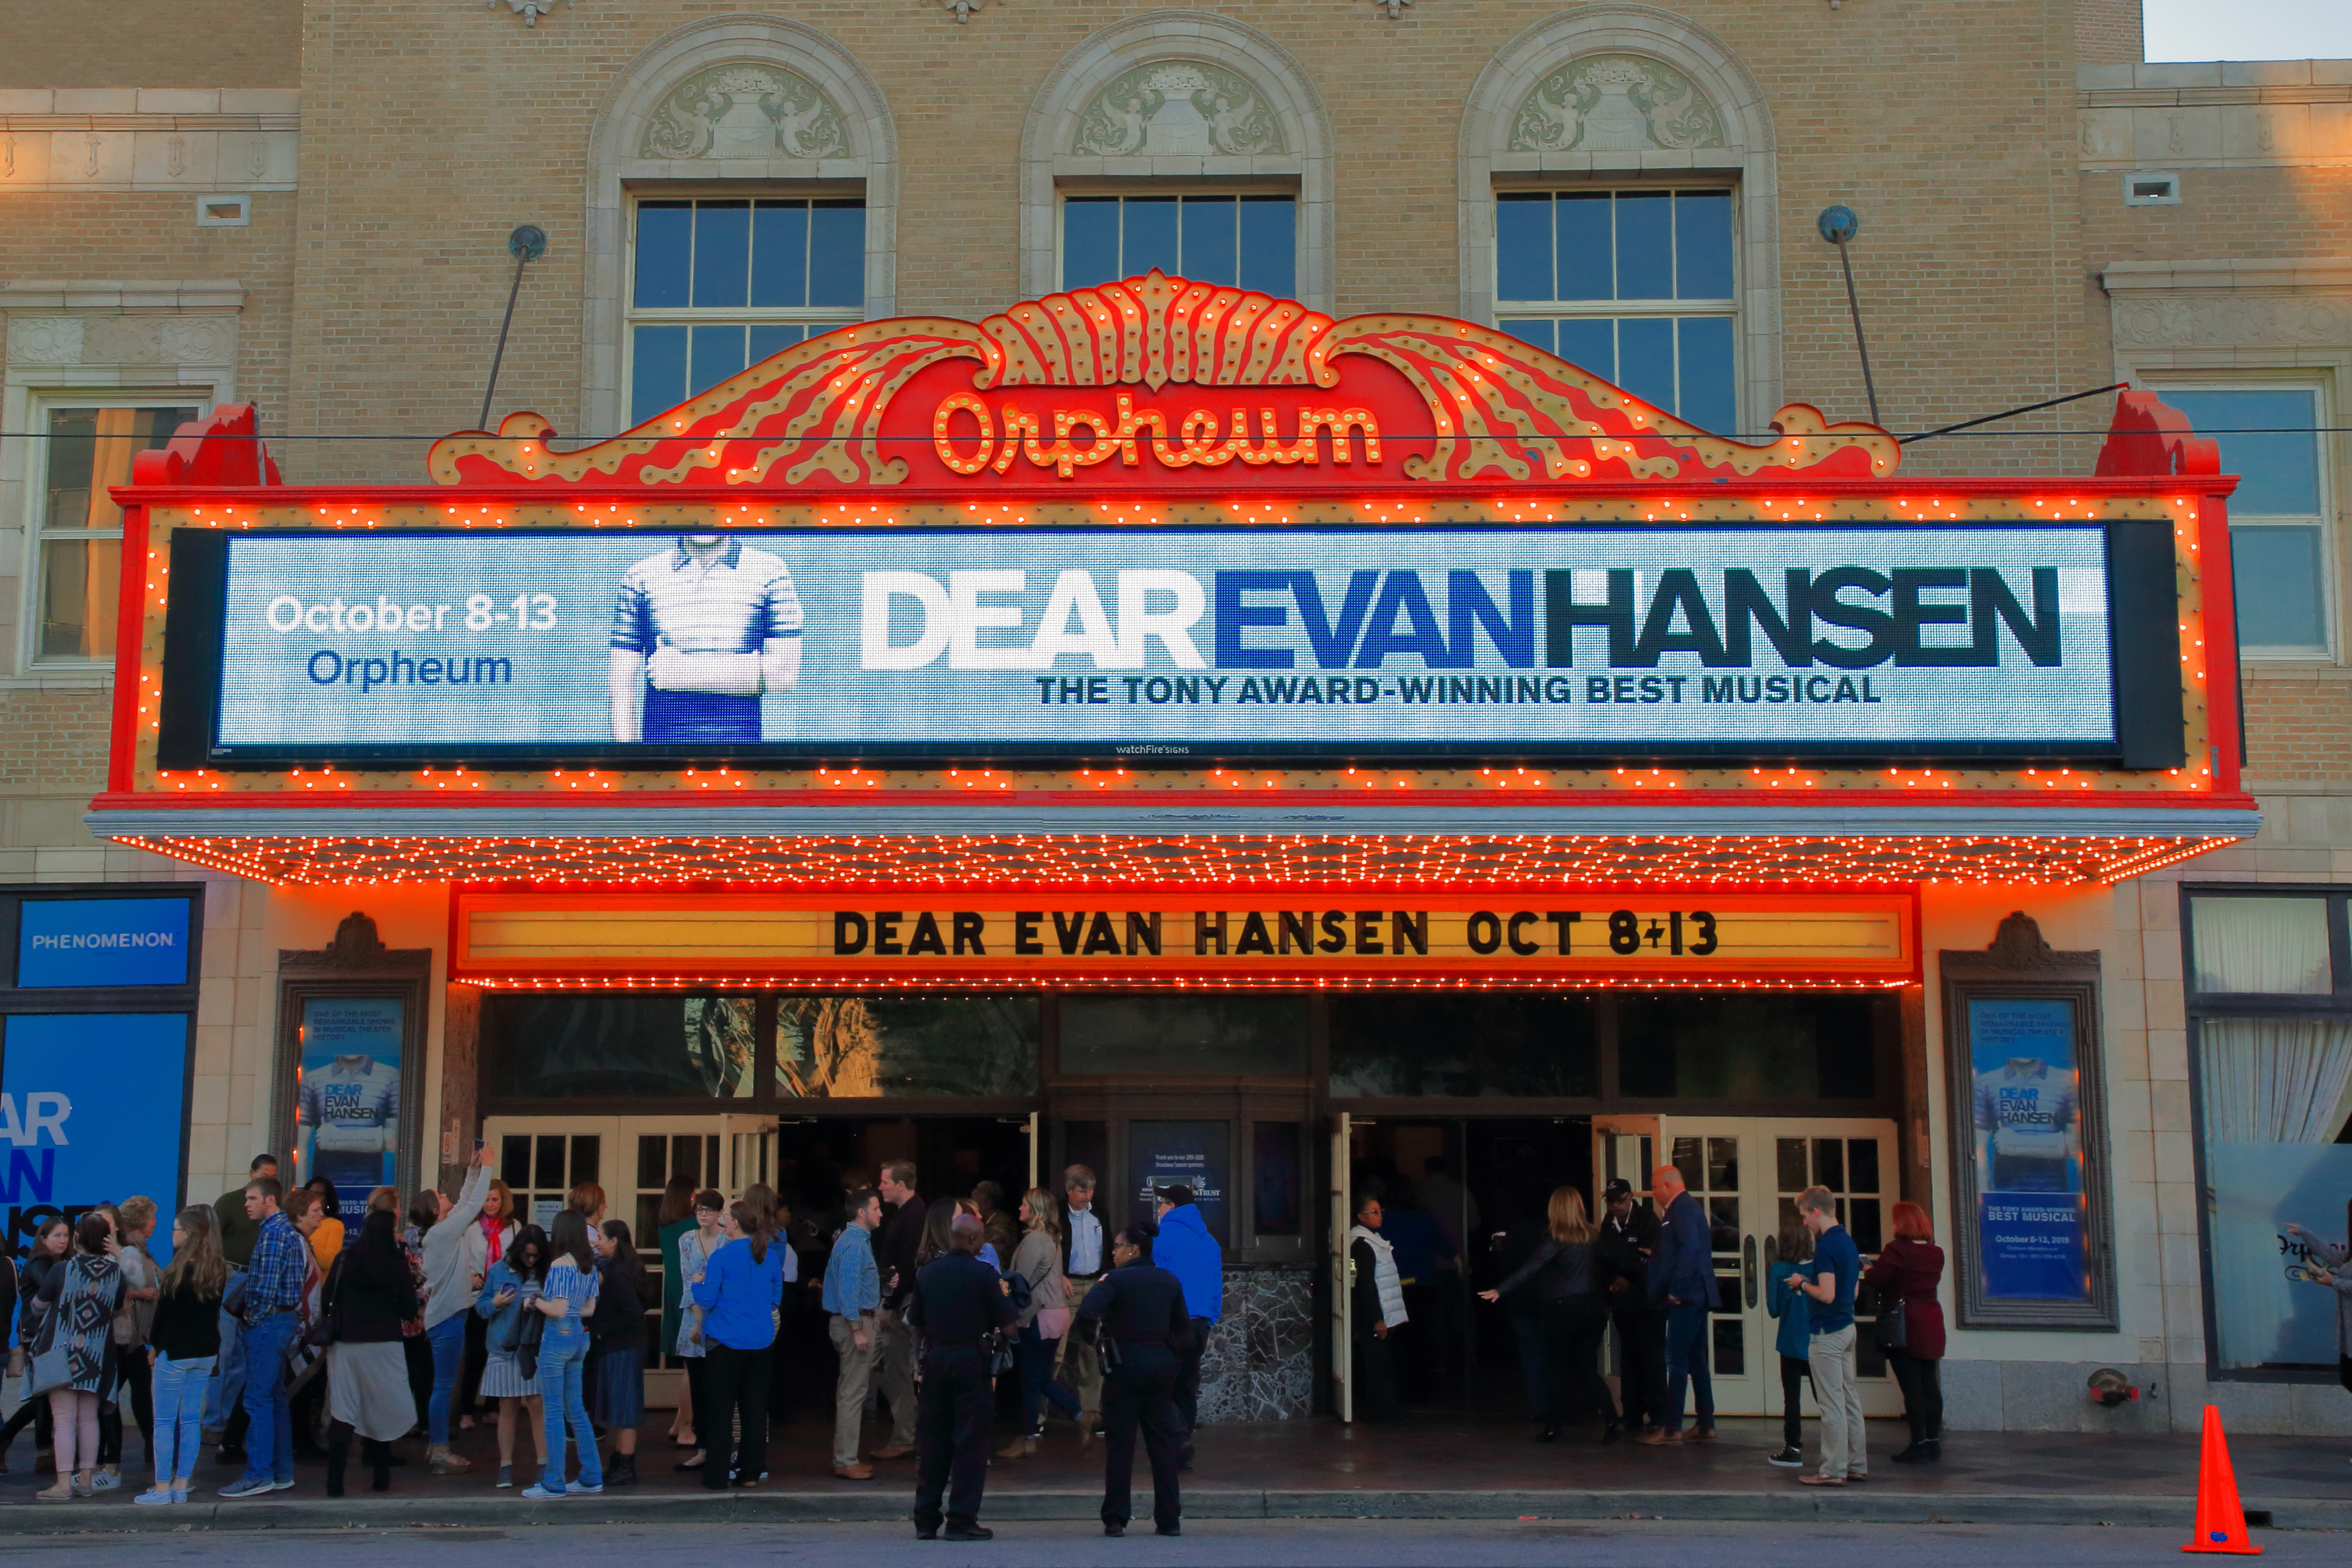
(1682, 1284)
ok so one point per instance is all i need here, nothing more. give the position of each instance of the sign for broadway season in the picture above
(1170, 644)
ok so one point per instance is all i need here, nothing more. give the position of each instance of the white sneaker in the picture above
(105, 1480)
(154, 1499)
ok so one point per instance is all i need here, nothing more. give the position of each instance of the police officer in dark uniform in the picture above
(1137, 1313)
(957, 1302)
(1629, 1234)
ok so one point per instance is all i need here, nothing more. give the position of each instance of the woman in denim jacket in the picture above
(567, 1296)
(508, 1286)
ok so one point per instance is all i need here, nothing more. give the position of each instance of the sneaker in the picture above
(282, 1486)
(583, 1490)
(505, 1474)
(178, 1494)
(105, 1480)
(537, 1491)
(248, 1486)
(155, 1499)
(1787, 1458)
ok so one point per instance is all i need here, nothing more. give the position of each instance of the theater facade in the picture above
(1170, 729)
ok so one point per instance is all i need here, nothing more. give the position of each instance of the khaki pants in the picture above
(894, 1353)
(1845, 1445)
(1080, 1364)
(849, 1393)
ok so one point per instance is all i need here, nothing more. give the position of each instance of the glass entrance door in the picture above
(1746, 1172)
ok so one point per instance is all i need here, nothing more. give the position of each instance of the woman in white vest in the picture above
(1376, 1309)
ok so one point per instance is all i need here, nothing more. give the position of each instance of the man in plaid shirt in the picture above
(274, 1283)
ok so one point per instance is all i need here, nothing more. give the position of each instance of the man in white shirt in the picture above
(1082, 1260)
(699, 632)
(346, 1121)
(2026, 1134)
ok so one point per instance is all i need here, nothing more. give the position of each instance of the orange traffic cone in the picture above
(2221, 1522)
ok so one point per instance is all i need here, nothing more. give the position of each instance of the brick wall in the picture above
(2299, 731)
(2108, 32)
(152, 43)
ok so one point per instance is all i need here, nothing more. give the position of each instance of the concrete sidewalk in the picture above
(1423, 1468)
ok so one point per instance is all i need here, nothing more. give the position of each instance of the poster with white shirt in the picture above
(2032, 1213)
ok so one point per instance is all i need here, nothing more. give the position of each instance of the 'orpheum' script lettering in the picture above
(1199, 440)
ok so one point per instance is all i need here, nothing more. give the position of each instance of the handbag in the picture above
(1892, 1325)
(48, 1364)
(322, 1329)
(524, 1339)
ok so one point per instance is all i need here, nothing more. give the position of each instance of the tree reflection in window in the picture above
(858, 1047)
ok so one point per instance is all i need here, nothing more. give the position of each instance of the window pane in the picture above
(665, 244)
(1709, 399)
(2281, 589)
(718, 354)
(1276, 1166)
(1540, 333)
(1703, 245)
(1646, 245)
(654, 1045)
(1464, 1045)
(779, 247)
(2267, 439)
(1090, 240)
(1523, 246)
(78, 582)
(766, 340)
(73, 449)
(837, 254)
(657, 371)
(2277, 946)
(1645, 358)
(1147, 239)
(723, 253)
(1210, 239)
(89, 452)
(1766, 1048)
(1222, 1037)
(1586, 271)
(1592, 344)
(837, 1047)
(1269, 242)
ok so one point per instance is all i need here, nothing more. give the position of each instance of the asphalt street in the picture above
(1317, 1543)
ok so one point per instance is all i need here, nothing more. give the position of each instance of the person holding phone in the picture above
(567, 1298)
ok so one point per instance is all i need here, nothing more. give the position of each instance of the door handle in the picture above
(1747, 1270)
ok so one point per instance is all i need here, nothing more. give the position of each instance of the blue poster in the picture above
(347, 1112)
(1191, 1154)
(2032, 1214)
(92, 1111)
(102, 942)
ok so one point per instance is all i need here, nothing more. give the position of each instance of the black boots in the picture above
(622, 1471)
(379, 1459)
(339, 1453)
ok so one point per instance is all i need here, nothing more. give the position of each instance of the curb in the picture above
(1869, 1506)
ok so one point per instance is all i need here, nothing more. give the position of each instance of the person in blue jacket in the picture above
(1681, 1282)
(740, 1288)
(1186, 1249)
(1794, 1339)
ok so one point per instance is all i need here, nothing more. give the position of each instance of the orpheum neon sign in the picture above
(1185, 372)
(1045, 439)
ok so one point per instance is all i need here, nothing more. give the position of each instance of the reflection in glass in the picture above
(1723, 1165)
(1730, 1334)
(1747, 1048)
(567, 1047)
(1862, 1165)
(1274, 1170)
(1214, 1037)
(1829, 1163)
(1863, 1217)
(849, 1047)
(1790, 1155)
(1686, 1161)
(1458, 1045)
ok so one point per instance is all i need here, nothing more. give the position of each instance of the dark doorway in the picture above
(1513, 1165)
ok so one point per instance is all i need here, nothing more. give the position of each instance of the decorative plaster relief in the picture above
(1615, 103)
(46, 341)
(1178, 109)
(745, 108)
(2233, 320)
(191, 339)
(530, 11)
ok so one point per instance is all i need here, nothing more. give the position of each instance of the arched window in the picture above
(1619, 206)
(744, 195)
(1183, 141)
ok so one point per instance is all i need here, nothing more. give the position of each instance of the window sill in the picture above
(62, 678)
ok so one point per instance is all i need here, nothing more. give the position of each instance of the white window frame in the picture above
(1728, 309)
(34, 408)
(633, 316)
(2321, 385)
(1065, 191)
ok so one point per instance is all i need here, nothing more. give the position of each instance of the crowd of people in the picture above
(288, 1326)
(282, 1328)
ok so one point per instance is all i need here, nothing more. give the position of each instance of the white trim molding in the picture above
(833, 125)
(1723, 130)
(149, 138)
(1287, 143)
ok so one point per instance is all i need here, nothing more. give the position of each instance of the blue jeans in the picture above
(562, 1357)
(179, 1416)
(447, 1338)
(1686, 1360)
(269, 1440)
(1037, 1383)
